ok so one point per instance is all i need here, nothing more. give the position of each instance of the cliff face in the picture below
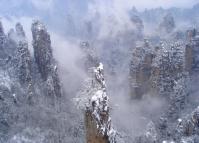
(140, 70)
(2, 41)
(193, 51)
(94, 101)
(42, 48)
(92, 132)
(24, 63)
(168, 24)
(44, 59)
(97, 119)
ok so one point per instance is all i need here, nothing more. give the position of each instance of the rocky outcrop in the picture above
(42, 49)
(24, 63)
(2, 41)
(192, 49)
(137, 21)
(44, 58)
(168, 24)
(20, 31)
(93, 99)
(140, 70)
(98, 121)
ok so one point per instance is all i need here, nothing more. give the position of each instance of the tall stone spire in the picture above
(44, 58)
(19, 30)
(42, 48)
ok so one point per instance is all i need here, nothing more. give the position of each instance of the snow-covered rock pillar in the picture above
(97, 118)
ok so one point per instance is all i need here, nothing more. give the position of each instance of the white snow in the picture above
(179, 120)
(100, 67)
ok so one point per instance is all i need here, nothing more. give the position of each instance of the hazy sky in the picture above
(8, 5)
(56, 13)
(142, 4)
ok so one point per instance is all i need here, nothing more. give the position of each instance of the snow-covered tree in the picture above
(168, 62)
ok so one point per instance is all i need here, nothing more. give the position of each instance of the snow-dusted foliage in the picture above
(179, 96)
(168, 62)
(150, 135)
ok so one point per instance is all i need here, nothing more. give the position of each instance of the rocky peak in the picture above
(38, 29)
(2, 35)
(98, 109)
(93, 99)
(24, 62)
(1, 29)
(42, 48)
(168, 24)
(44, 59)
(2, 41)
(11, 32)
(19, 30)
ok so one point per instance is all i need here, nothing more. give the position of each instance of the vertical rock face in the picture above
(138, 23)
(44, 58)
(190, 34)
(94, 100)
(19, 30)
(53, 83)
(24, 62)
(168, 24)
(195, 47)
(188, 58)
(140, 70)
(192, 51)
(2, 40)
(2, 34)
(98, 121)
(42, 49)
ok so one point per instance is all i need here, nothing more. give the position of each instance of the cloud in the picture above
(142, 4)
(43, 4)
(68, 55)
(110, 17)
